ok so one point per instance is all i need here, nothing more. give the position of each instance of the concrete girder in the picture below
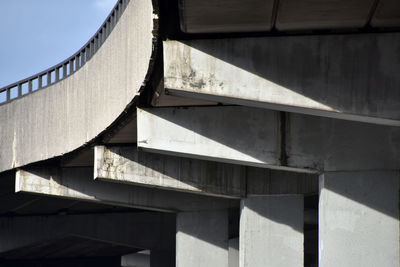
(352, 77)
(78, 183)
(264, 138)
(128, 165)
(146, 230)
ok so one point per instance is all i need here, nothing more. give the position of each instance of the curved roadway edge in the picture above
(72, 112)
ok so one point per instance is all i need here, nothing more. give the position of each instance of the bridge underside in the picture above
(250, 133)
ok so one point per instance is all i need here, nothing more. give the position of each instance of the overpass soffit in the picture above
(199, 16)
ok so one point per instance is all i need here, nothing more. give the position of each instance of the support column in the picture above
(202, 239)
(234, 252)
(359, 219)
(271, 231)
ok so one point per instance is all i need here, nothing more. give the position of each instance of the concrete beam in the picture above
(228, 134)
(128, 165)
(78, 183)
(359, 219)
(146, 230)
(346, 76)
(264, 138)
(261, 181)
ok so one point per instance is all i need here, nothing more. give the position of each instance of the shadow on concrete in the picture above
(280, 210)
(331, 144)
(209, 177)
(348, 73)
(378, 190)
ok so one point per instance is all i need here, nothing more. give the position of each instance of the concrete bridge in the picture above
(210, 133)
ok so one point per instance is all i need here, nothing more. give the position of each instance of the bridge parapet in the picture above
(67, 67)
(89, 91)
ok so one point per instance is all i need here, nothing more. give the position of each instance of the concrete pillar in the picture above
(234, 252)
(359, 219)
(271, 231)
(202, 239)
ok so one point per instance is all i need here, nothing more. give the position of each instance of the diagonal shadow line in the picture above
(348, 73)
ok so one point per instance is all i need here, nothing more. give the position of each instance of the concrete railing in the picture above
(86, 93)
(69, 66)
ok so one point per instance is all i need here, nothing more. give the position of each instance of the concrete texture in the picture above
(202, 239)
(138, 230)
(300, 15)
(68, 114)
(387, 14)
(271, 231)
(261, 181)
(78, 183)
(128, 165)
(224, 134)
(339, 145)
(359, 219)
(205, 16)
(260, 137)
(349, 77)
(234, 252)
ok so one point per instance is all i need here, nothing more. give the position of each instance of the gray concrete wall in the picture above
(66, 115)
(351, 77)
(359, 219)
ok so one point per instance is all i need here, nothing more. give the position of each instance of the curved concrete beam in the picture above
(73, 111)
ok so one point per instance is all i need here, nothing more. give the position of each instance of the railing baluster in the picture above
(8, 97)
(48, 78)
(57, 74)
(82, 59)
(71, 67)
(40, 78)
(74, 63)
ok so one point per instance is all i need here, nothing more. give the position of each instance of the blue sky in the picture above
(37, 34)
